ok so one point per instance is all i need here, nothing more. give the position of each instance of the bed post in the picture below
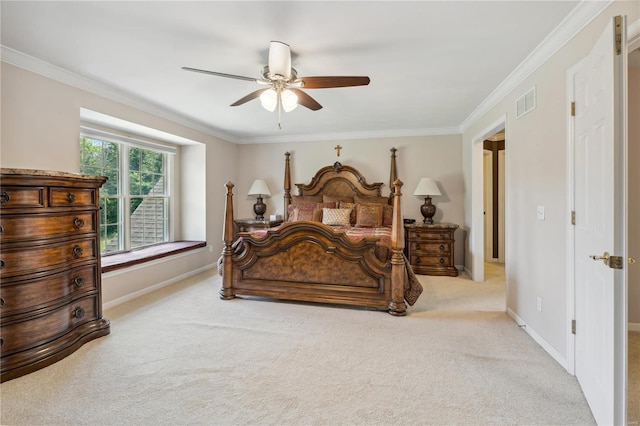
(394, 173)
(226, 292)
(287, 185)
(397, 306)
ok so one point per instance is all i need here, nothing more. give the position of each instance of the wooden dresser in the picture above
(430, 248)
(50, 278)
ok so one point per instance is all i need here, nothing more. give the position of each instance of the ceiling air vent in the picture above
(526, 102)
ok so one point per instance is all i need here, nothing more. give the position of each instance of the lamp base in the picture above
(259, 208)
(428, 210)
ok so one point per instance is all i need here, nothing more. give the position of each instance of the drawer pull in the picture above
(77, 251)
(4, 197)
(1, 229)
(441, 246)
(71, 197)
(1, 341)
(78, 223)
(417, 261)
(78, 281)
(441, 260)
(442, 235)
(78, 313)
(2, 302)
(1, 264)
(417, 246)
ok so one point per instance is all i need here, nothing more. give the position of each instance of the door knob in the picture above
(604, 257)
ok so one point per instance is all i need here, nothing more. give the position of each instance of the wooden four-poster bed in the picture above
(360, 262)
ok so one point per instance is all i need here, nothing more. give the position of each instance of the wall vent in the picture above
(526, 102)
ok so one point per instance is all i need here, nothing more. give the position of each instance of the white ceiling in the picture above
(431, 63)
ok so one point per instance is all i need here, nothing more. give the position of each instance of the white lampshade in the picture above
(259, 188)
(289, 100)
(279, 59)
(427, 187)
(269, 100)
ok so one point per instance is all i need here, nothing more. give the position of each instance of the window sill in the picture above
(113, 262)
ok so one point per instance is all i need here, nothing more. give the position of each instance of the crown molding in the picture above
(571, 25)
(324, 137)
(62, 75)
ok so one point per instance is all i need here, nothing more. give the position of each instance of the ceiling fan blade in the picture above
(327, 82)
(220, 74)
(306, 100)
(249, 97)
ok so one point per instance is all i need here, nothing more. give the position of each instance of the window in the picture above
(135, 201)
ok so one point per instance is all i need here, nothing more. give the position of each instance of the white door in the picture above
(597, 206)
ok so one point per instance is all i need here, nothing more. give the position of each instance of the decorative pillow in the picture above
(387, 215)
(352, 206)
(337, 217)
(360, 199)
(306, 211)
(336, 199)
(297, 199)
(369, 216)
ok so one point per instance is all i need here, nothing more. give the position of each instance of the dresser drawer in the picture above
(419, 261)
(420, 247)
(39, 225)
(12, 197)
(72, 197)
(18, 261)
(32, 294)
(22, 335)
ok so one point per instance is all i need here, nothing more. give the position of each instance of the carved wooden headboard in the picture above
(337, 180)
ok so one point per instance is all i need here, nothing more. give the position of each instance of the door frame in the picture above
(476, 238)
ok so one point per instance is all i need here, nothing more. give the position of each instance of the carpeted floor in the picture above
(183, 356)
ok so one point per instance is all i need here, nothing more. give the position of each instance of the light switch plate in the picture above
(540, 212)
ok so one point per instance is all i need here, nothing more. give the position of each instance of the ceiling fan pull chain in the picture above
(279, 112)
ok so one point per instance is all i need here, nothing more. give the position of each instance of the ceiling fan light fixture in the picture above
(279, 60)
(269, 100)
(289, 100)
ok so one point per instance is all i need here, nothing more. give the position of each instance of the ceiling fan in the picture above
(282, 84)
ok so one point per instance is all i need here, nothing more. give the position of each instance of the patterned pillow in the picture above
(369, 215)
(337, 217)
(352, 206)
(387, 215)
(307, 211)
(336, 199)
(371, 200)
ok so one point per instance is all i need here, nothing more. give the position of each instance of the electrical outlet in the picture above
(539, 306)
(540, 212)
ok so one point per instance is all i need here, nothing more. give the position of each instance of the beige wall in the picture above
(40, 130)
(537, 175)
(634, 193)
(438, 157)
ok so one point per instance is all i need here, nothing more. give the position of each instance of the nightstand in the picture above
(248, 225)
(429, 248)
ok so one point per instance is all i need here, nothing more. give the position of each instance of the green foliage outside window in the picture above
(146, 178)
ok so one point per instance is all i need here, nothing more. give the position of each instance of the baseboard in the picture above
(633, 326)
(535, 336)
(155, 287)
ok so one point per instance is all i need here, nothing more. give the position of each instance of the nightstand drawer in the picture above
(418, 247)
(429, 235)
(430, 260)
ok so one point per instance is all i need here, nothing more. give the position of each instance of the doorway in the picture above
(494, 197)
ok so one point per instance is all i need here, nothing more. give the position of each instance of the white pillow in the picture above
(336, 217)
